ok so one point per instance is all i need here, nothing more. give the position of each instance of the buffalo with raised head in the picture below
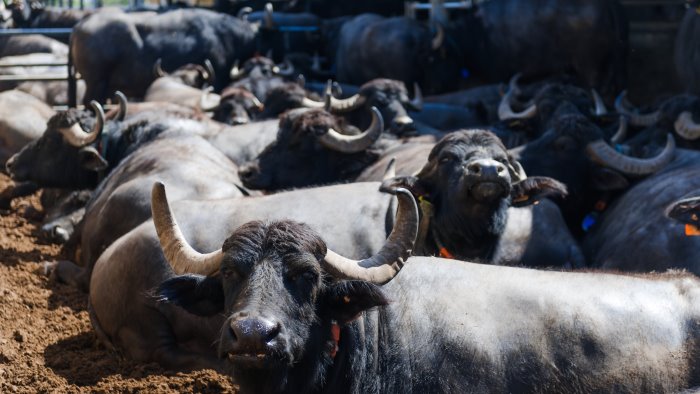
(281, 312)
(474, 198)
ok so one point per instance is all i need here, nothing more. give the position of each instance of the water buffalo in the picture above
(687, 51)
(259, 75)
(469, 211)
(309, 150)
(545, 37)
(370, 46)
(22, 119)
(68, 156)
(574, 150)
(234, 106)
(183, 86)
(193, 167)
(636, 233)
(274, 306)
(178, 37)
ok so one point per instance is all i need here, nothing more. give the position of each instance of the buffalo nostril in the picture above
(246, 172)
(474, 168)
(500, 169)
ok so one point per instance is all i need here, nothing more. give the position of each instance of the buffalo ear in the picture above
(530, 190)
(91, 159)
(686, 211)
(197, 294)
(345, 300)
(411, 183)
(605, 179)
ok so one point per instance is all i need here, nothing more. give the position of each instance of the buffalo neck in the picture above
(467, 232)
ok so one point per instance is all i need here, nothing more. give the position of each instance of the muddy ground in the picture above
(46, 342)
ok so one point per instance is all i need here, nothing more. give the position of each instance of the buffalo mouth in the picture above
(257, 360)
(489, 190)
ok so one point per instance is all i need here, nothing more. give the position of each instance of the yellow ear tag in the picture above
(691, 231)
(346, 299)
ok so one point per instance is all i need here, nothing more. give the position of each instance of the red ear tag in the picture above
(691, 231)
(445, 254)
(335, 335)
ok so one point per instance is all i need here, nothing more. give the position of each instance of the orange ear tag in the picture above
(691, 231)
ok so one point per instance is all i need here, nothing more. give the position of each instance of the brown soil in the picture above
(46, 341)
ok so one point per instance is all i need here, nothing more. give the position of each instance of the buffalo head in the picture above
(311, 149)
(280, 290)
(66, 154)
(470, 180)
(235, 106)
(389, 96)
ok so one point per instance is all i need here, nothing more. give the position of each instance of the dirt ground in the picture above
(46, 342)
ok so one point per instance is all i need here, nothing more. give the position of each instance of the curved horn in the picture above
(505, 111)
(181, 256)
(243, 13)
(686, 127)
(600, 152)
(206, 104)
(636, 119)
(599, 104)
(123, 105)
(301, 80)
(267, 16)
(383, 266)
(436, 42)
(76, 136)
(260, 106)
(417, 102)
(390, 171)
(158, 69)
(347, 105)
(211, 74)
(621, 133)
(354, 143)
(286, 69)
(235, 72)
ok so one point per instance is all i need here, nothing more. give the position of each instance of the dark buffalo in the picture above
(575, 150)
(545, 37)
(34, 14)
(311, 149)
(234, 106)
(677, 114)
(636, 232)
(370, 46)
(116, 51)
(469, 213)
(687, 52)
(283, 313)
(259, 75)
(193, 167)
(68, 156)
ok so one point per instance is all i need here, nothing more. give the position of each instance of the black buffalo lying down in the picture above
(283, 313)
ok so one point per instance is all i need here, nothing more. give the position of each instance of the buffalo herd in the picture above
(331, 196)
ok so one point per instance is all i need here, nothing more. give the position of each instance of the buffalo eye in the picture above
(565, 143)
(229, 274)
(446, 158)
